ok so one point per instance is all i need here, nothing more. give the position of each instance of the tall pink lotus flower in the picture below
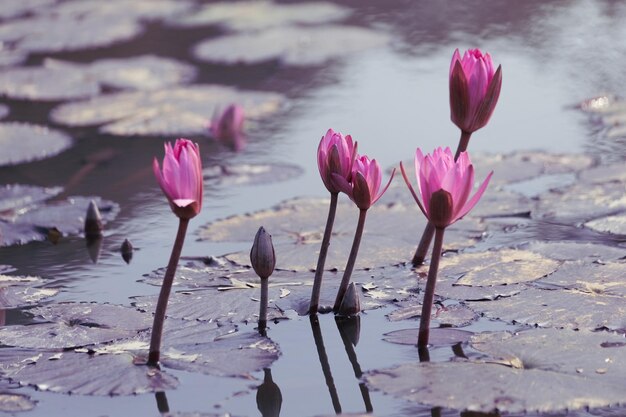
(444, 187)
(440, 171)
(227, 127)
(181, 178)
(364, 189)
(474, 89)
(335, 155)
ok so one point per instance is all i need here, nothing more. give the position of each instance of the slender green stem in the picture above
(321, 260)
(351, 260)
(264, 301)
(429, 230)
(166, 287)
(321, 352)
(429, 294)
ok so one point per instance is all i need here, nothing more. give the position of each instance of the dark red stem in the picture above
(319, 270)
(343, 287)
(429, 294)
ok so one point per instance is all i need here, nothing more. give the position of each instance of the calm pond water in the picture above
(391, 99)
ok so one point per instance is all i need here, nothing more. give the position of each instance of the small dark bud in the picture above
(54, 235)
(127, 251)
(440, 209)
(262, 254)
(93, 221)
(350, 305)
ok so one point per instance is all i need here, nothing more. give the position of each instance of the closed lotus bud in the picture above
(127, 251)
(350, 305)
(262, 254)
(440, 209)
(93, 221)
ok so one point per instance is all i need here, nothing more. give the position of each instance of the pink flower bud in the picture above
(335, 155)
(474, 89)
(447, 182)
(227, 127)
(181, 178)
(364, 189)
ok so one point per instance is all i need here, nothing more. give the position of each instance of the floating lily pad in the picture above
(610, 112)
(71, 372)
(59, 80)
(16, 296)
(503, 267)
(12, 403)
(615, 224)
(198, 274)
(490, 387)
(54, 29)
(572, 251)
(246, 174)
(300, 46)
(437, 337)
(174, 111)
(503, 203)
(16, 8)
(581, 202)
(30, 142)
(257, 15)
(18, 197)
(558, 308)
(76, 324)
(607, 279)
(456, 315)
(535, 186)
(297, 227)
(604, 173)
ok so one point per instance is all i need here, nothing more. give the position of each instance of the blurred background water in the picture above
(391, 99)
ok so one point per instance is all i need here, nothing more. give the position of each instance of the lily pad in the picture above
(455, 315)
(13, 403)
(173, 111)
(572, 251)
(59, 80)
(437, 337)
(297, 227)
(257, 15)
(198, 274)
(18, 197)
(29, 142)
(489, 387)
(72, 325)
(71, 372)
(302, 46)
(570, 309)
(16, 8)
(503, 267)
(608, 278)
(16, 296)
(615, 224)
(604, 173)
(246, 174)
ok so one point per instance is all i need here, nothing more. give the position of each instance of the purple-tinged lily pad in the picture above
(572, 251)
(297, 227)
(60, 80)
(258, 15)
(456, 315)
(570, 309)
(71, 372)
(16, 296)
(172, 111)
(503, 267)
(15, 8)
(301, 46)
(198, 274)
(604, 173)
(615, 224)
(437, 337)
(245, 174)
(5, 269)
(13, 403)
(19, 197)
(607, 278)
(70, 325)
(488, 387)
(30, 142)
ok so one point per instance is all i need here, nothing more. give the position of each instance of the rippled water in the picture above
(392, 100)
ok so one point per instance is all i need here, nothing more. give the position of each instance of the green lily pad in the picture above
(172, 111)
(301, 46)
(30, 142)
(257, 15)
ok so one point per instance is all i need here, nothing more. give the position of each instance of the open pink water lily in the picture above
(227, 127)
(335, 155)
(181, 178)
(364, 187)
(438, 172)
(474, 89)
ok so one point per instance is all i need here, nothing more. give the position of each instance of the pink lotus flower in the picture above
(364, 189)
(227, 127)
(474, 89)
(181, 179)
(335, 155)
(439, 172)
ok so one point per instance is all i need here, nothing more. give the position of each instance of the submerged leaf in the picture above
(30, 142)
(300, 46)
(438, 337)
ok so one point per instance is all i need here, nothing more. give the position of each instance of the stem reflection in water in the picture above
(321, 352)
(268, 396)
